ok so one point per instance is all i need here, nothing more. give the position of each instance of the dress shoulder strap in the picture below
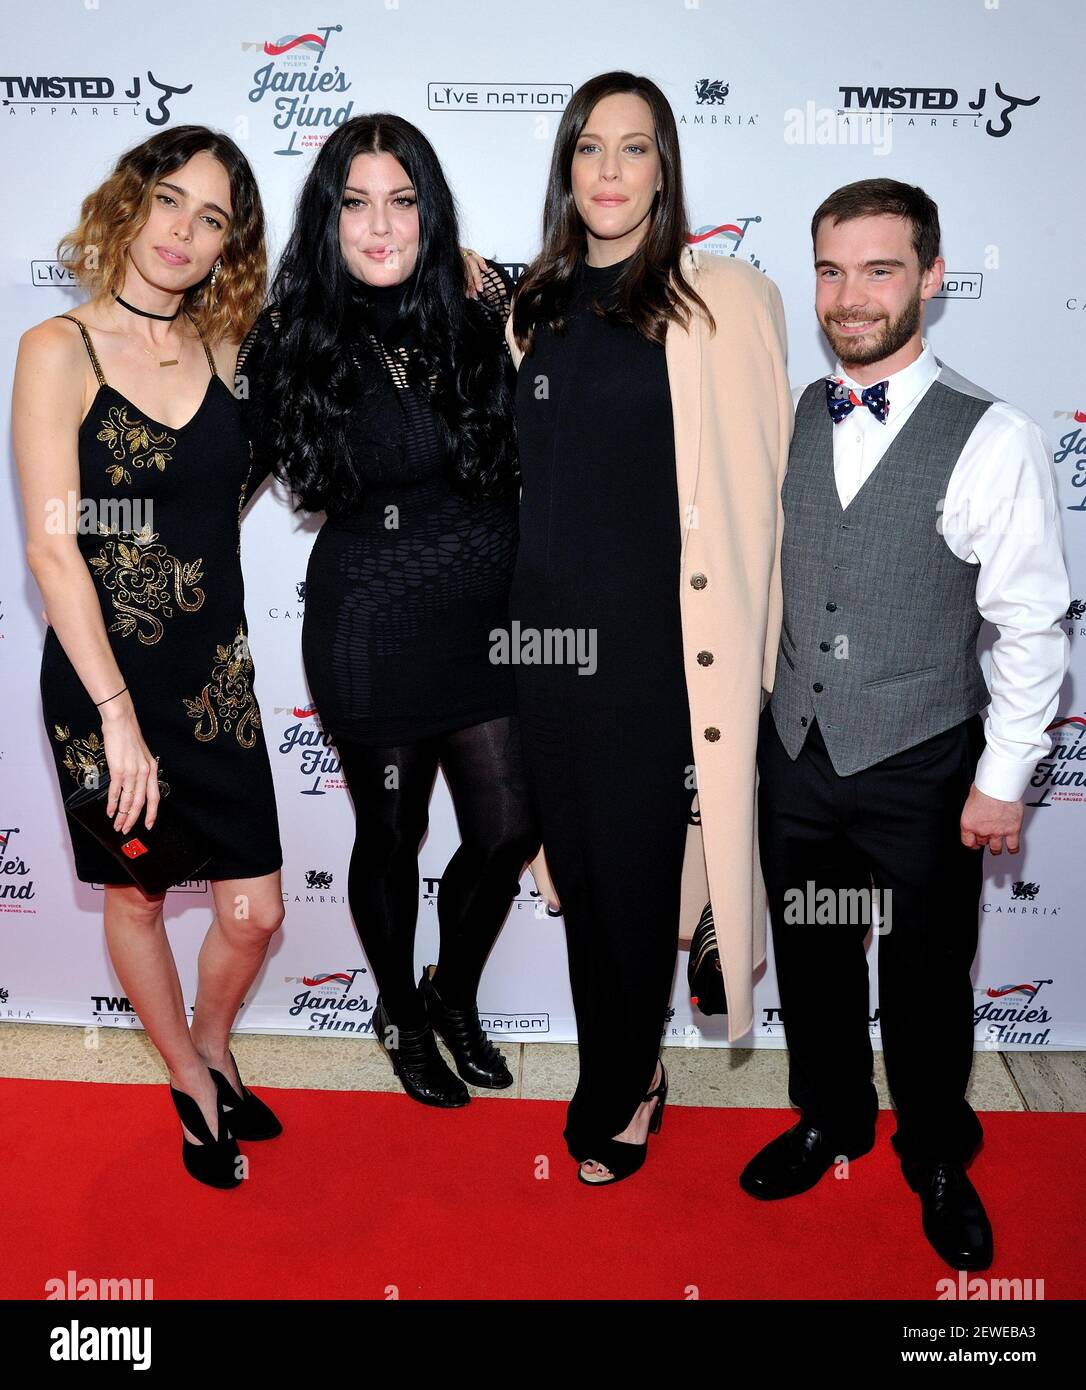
(203, 340)
(89, 345)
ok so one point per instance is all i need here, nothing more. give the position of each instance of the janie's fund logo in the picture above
(305, 744)
(1010, 1014)
(1061, 773)
(300, 84)
(329, 1002)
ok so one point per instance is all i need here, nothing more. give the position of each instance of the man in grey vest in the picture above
(915, 505)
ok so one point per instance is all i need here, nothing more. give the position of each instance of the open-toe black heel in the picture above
(247, 1115)
(477, 1059)
(413, 1052)
(211, 1161)
(621, 1158)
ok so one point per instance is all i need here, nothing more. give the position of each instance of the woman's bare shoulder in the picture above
(54, 345)
(225, 352)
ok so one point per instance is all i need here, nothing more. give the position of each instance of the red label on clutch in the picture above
(134, 848)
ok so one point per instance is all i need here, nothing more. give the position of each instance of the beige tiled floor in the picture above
(755, 1077)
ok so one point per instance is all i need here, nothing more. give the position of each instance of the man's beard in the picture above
(880, 342)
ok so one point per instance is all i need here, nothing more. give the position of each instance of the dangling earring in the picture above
(215, 271)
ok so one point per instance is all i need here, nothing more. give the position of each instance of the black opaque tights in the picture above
(391, 787)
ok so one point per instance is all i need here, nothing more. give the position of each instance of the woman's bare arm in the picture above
(47, 405)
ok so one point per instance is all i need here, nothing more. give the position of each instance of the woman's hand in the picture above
(133, 770)
(543, 880)
(474, 269)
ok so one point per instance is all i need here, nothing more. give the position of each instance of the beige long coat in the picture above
(732, 413)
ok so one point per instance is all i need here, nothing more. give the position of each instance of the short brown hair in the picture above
(886, 197)
(112, 216)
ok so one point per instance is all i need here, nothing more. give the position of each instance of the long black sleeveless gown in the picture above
(172, 599)
(608, 742)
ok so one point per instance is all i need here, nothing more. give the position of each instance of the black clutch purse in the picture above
(154, 859)
(703, 972)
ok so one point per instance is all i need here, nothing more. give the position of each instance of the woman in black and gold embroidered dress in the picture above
(127, 403)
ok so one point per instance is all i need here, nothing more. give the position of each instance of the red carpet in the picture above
(363, 1191)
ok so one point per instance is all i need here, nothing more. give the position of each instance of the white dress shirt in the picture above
(1001, 512)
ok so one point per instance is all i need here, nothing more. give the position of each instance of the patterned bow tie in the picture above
(842, 400)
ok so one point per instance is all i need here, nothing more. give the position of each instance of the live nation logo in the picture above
(498, 96)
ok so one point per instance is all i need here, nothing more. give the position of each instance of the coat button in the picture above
(823, 646)
(831, 608)
(712, 734)
(705, 658)
(698, 581)
(817, 686)
(803, 720)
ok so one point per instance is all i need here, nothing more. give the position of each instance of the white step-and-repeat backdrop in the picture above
(778, 103)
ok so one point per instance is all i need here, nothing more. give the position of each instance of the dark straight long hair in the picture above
(312, 379)
(652, 291)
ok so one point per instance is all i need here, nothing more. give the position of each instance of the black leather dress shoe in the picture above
(477, 1059)
(955, 1221)
(792, 1163)
(413, 1052)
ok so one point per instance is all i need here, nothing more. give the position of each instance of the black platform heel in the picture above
(247, 1115)
(423, 1072)
(477, 1059)
(212, 1161)
(625, 1159)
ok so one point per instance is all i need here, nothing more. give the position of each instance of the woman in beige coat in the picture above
(654, 419)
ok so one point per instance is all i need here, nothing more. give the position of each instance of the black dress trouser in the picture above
(894, 825)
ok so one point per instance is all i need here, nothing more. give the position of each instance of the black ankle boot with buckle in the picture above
(413, 1052)
(477, 1059)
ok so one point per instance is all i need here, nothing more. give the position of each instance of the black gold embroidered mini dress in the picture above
(162, 544)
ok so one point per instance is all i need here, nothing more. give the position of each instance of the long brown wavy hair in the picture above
(652, 292)
(111, 217)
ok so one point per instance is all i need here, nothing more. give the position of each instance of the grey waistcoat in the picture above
(880, 616)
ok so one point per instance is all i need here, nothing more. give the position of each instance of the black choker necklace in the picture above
(144, 313)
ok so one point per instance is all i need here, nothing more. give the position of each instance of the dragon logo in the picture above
(711, 92)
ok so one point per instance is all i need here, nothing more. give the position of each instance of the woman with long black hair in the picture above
(381, 394)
